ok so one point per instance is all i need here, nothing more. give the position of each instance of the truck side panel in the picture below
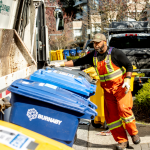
(13, 54)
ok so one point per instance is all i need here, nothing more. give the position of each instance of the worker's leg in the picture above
(125, 105)
(113, 119)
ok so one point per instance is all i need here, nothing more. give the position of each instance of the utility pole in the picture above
(88, 12)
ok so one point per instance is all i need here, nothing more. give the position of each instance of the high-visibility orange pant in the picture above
(118, 108)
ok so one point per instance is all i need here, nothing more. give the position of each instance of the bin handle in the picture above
(26, 80)
(15, 86)
(77, 80)
(49, 68)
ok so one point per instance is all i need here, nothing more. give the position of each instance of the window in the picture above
(130, 42)
(77, 32)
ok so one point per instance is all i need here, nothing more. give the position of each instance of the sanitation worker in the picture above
(115, 80)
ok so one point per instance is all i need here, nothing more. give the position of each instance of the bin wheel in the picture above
(95, 125)
(105, 126)
(75, 138)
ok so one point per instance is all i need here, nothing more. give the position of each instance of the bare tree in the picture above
(137, 9)
(63, 41)
(115, 10)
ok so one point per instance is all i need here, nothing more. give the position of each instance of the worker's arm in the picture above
(128, 74)
(87, 59)
(122, 60)
(69, 63)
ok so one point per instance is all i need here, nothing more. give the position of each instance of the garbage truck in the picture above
(24, 45)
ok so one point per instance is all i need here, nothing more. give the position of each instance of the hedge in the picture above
(141, 106)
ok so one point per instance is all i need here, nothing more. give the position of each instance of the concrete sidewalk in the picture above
(88, 140)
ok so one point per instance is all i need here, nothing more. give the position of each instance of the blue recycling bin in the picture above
(77, 73)
(77, 48)
(73, 52)
(79, 51)
(66, 81)
(48, 109)
(66, 53)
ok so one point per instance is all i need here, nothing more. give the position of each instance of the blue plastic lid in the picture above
(79, 51)
(72, 49)
(92, 86)
(64, 80)
(66, 50)
(51, 94)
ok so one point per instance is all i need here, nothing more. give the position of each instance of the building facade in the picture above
(87, 9)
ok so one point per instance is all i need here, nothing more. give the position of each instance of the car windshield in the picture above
(130, 42)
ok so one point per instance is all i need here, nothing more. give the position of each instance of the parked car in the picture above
(132, 38)
(136, 46)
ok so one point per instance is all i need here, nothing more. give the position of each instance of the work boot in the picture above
(136, 139)
(122, 146)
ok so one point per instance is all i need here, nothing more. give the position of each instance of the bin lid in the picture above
(64, 80)
(79, 50)
(72, 49)
(75, 72)
(53, 95)
(91, 71)
(66, 50)
(29, 139)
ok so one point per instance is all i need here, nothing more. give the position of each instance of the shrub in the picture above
(142, 103)
(72, 57)
(143, 95)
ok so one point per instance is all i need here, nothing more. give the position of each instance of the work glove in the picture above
(61, 64)
(126, 84)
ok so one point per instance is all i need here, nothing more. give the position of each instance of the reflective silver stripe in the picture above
(95, 65)
(129, 119)
(95, 58)
(115, 125)
(102, 78)
(109, 76)
(108, 64)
